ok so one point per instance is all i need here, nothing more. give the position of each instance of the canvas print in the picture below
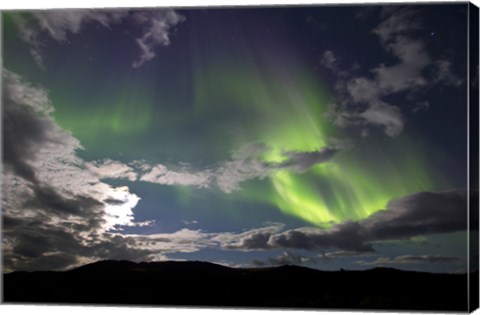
(305, 156)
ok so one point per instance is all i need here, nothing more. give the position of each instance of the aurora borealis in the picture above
(237, 136)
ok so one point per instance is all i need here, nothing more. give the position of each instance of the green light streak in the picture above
(285, 110)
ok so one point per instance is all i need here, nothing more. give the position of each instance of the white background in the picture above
(83, 310)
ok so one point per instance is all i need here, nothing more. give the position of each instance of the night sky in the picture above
(325, 136)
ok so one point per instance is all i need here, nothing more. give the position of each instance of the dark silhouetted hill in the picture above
(206, 284)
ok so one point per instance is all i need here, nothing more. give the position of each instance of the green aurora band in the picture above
(285, 109)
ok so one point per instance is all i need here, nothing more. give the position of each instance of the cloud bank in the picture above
(423, 213)
(55, 211)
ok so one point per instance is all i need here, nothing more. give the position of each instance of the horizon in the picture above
(159, 262)
(242, 137)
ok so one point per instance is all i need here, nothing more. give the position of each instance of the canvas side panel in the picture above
(474, 155)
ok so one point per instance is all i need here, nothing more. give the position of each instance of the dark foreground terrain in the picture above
(206, 284)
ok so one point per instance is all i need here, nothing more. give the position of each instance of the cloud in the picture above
(158, 25)
(421, 106)
(59, 25)
(348, 236)
(160, 174)
(361, 100)
(187, 222)
(37, 58)
(302, 161)
(413, 215)
(399, 22)
(342, 253)
(55, 211)
(245, 164)
(181, 241)
(111, 169)
(286, 258)
(329, 60)
(409, 259)
(253, 239)
(445, 75)
(382, 114)
(35, 244)
(289, 258)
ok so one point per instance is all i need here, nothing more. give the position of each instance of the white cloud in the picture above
(245, 164)
(445, 75)
(410, 52)
(111, 169)
(397, 23)
(158, 25)
(37, 57)
(160, 174)
(59, 25)
(25, 94)
(332, 62)
(184, 241)
(118, 208)
(231, 173)
(361, 100)
(385, 115)
(363, 90)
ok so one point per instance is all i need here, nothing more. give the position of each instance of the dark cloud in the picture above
(258, 240)
(114, 202)
(420, 214)
(24, 130)
(48, 199)
(417, 214)
(286, 258)
(35, 245)
(410, 259)
(302, 161)
(53, 211)
(328, 256)
(349, 236)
